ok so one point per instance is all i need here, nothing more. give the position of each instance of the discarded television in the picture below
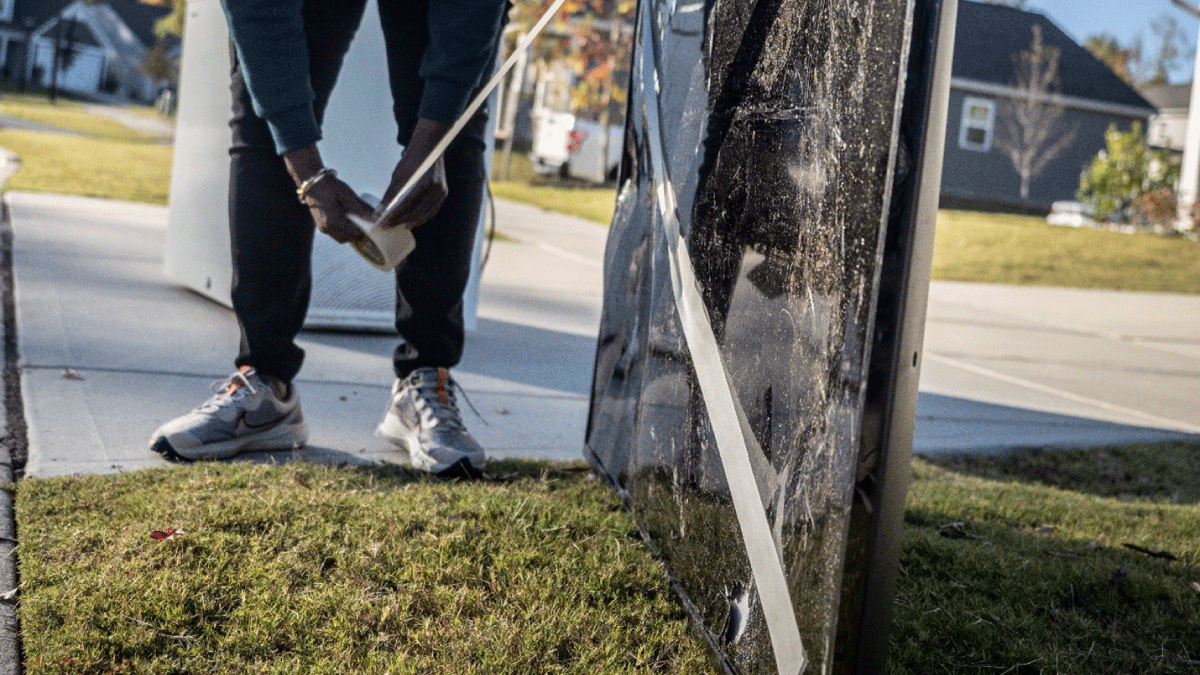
(765, 287)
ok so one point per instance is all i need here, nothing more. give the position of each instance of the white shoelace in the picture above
(444, 412)
(222, 393)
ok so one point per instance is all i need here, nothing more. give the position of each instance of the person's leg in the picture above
(271, 231)
(431, 281)
(422, 414)
(271, 236)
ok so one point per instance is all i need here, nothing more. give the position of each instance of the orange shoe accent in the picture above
(443, 383)
(238, 384)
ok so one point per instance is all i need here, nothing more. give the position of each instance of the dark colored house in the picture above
(989, 37)
(108, 42)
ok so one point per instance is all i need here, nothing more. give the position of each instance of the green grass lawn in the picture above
(589, 203)
(522, 184)
(128, 170)
(303, 568)
(97, 158)
(1040, 577)
(67, 115)
(1008, 249)
(309, 569)
(112, 161)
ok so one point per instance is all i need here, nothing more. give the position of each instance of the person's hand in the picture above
(430, 190)
(422, 202)
(328, 199)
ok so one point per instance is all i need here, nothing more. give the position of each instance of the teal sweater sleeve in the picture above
(272, 52)
(462, 36)
(269, 38)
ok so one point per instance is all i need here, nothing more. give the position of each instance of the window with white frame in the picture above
(6, 9)
(978, 117)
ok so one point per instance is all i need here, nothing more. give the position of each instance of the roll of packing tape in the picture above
(383, 247)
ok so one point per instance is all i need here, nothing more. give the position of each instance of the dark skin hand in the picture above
(329, 199)
(426, 197)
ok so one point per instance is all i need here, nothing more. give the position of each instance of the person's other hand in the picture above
(422, 202)
(330, 201)
(430, 190)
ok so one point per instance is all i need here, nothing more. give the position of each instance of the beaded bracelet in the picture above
(302, 191)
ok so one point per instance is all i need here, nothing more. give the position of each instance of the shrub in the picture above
(1129, 181)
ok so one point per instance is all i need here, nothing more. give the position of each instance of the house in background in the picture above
(978, 173)
(108, 42)
(1168, 128)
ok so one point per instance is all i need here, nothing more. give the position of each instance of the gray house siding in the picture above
(128, 25)
(988, 176)
(988, 38)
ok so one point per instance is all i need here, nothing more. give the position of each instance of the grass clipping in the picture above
(224, 568)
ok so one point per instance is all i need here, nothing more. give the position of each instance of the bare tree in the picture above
(1173, 46)
(1032, 131)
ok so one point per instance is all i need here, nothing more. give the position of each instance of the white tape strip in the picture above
(462, 120)
(766, 560)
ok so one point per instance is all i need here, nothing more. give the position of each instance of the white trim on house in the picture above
(118, 56)
(1074, 102)
(6, 9)
(974, 130)
(84, 73)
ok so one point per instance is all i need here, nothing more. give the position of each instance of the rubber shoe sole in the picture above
(409, 440)
(285, 436)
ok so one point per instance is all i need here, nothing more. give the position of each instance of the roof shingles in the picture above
(989, 36)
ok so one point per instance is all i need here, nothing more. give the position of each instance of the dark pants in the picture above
(272, 233)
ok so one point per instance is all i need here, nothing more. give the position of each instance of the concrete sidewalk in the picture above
(1017, 367)
(110, 349)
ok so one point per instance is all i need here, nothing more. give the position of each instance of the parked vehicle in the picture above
(572, 148)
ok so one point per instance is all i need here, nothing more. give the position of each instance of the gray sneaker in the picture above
(422, 417)
(243, 414)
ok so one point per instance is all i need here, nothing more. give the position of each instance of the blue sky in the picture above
(1123, 18)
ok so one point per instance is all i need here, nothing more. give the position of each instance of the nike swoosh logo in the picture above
(242, 426)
